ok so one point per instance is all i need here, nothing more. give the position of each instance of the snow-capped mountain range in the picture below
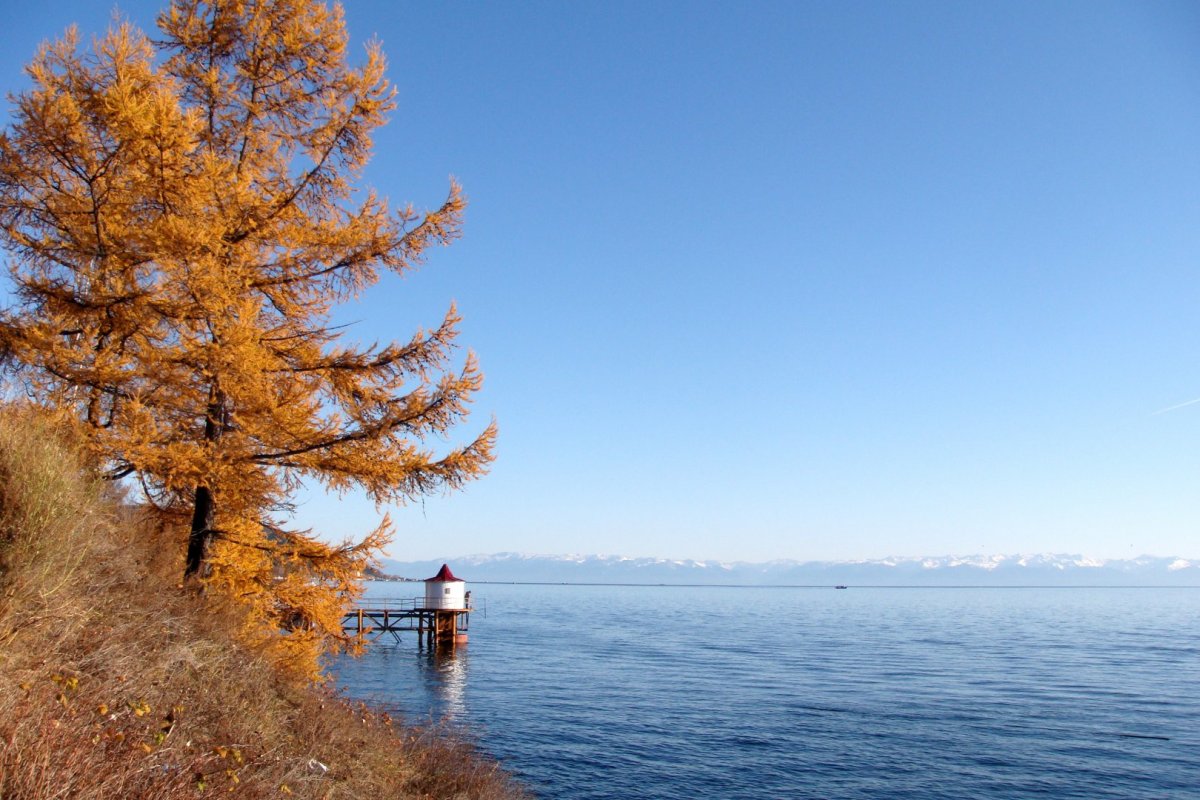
(995, 570)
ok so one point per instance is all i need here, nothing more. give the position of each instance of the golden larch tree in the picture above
(181, 217)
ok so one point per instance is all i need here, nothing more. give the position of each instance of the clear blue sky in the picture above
(798, 280)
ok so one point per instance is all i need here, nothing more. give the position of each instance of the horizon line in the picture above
(522, 554)
(396, 579)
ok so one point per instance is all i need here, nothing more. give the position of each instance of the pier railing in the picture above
(408, 604)
(391, 604)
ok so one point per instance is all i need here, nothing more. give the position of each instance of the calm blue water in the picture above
(668, 692)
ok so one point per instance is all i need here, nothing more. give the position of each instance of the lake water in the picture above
(689, 692)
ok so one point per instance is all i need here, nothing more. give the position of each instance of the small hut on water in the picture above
(448, 597)
(444, 592)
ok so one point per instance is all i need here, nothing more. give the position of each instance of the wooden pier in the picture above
(433, 626)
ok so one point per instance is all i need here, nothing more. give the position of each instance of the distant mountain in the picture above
(1013, 570)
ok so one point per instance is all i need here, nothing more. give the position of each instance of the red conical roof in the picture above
(445, 576)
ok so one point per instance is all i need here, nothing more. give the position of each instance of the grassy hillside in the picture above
(117, 683)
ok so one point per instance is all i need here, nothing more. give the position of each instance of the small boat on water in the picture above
(840, 586)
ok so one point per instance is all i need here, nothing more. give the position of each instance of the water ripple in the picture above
(600, 693)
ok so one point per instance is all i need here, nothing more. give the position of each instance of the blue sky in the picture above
(798, 280)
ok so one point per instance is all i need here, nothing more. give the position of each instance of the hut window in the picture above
(447, 590)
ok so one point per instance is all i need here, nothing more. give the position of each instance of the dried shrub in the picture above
(117, 682)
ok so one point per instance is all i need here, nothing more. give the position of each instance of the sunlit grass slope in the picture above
(116, 683)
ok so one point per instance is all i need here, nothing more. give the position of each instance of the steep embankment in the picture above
(115, 682)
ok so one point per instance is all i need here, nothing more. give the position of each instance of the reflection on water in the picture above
(445, 673)
(421, 684)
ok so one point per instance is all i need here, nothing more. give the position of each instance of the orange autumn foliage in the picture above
(181, 219)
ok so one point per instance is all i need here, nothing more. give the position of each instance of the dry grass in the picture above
(117, 683)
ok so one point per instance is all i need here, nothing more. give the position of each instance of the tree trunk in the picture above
(202, 520)
(202, 512)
